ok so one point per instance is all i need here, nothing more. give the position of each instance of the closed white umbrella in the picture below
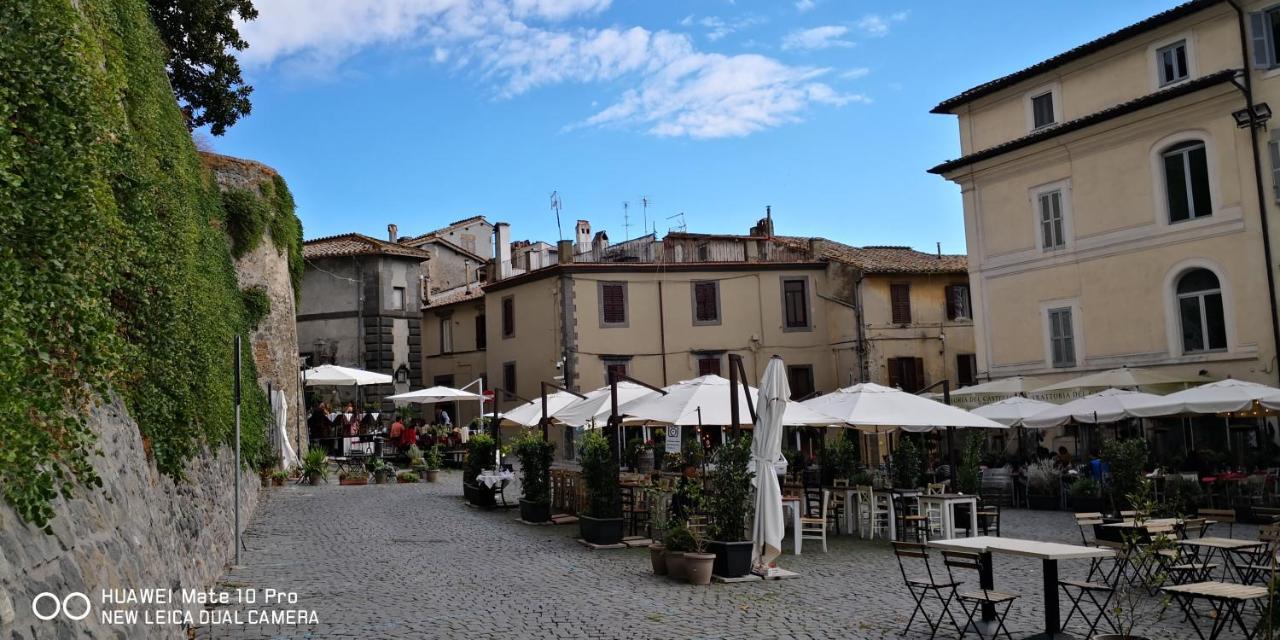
(598, 404)
(705, 400)
(766, 446)
(331, 375)
(1224, 396)
(280, 407)
(1122, 378)
(432, 395)
(872, 405)
(1012, 411)
(1105, 406)
(529, 414)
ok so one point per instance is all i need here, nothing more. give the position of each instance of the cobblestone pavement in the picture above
(412, 561)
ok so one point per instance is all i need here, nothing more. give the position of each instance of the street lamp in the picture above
(1261, 113)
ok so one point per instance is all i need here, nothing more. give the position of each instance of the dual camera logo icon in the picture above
(48, 606)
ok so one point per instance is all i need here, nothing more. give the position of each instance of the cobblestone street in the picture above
(412, 561)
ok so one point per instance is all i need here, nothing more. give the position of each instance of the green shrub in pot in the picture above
(729, 505)
(601, 523)
(535, 455)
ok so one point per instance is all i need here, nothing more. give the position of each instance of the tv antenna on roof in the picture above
(556, 205)
(644, 203)
(680, 227)
(626, 219)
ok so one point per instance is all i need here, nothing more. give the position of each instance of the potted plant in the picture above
(969, 474)
(728, 505)
(698, 564)
(1043, 486)
(1085, 496)
(278, 477)
(315, 466)
(601, 523)
(480, 450)
(431, 463)
(414, 456)
(353, 477)
(1125, 459)
(379, 469)
(407, 477)
(678, 541)
(839, 460)
(906, 465)
(658, 523)
(535, 455)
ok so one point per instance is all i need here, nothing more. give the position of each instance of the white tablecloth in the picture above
(492, 478)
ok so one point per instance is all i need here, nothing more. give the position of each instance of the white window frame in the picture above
(399, 298)
(1266, 40)
(1173, 315)
(1157, 66)
(1159, 188)
(446, 334)
(1056, 90)
(1077, 331)
(1063, 187)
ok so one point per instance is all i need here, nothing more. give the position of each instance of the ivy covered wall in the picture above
(116, 271)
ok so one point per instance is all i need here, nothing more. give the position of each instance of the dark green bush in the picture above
(246, 215)
(600, 474)
(256, 305)
(480, 456)
(535, 456)
(730, 495)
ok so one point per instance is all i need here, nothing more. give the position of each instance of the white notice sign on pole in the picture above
(673, 439)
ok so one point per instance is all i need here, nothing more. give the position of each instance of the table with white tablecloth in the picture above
(493, 479)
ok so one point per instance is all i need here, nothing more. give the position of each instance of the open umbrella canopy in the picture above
(1224, 396)
(1003, 386)
(529, 414)
(681, 404)
(1122, 378)
(331, 375)
(1012, 411)
(1105, 406)
(434, 394)
(872, 405)
(599, 404)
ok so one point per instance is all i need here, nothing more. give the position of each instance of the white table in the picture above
(491, 478)
(1048, 552)
(793, 503)
(946, 503)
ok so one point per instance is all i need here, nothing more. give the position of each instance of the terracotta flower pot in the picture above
(697, 567)
(657, 553)
(675, 564)
(432, 475)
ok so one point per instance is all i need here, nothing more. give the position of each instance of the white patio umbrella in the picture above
(599, 404)
(710, 394)
(874, 406)
(529, 414)
(331, 375)
(1105, 406)
(1003, 386)
(1012, 411)
(766, 446)
(1122, 378)
(1224, 396)
(432, 395)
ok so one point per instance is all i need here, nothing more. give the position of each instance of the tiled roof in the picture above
(1124, 108)
(431, 238)
(883, 259)
(454, 295)
(1156, 21)
(355, 244)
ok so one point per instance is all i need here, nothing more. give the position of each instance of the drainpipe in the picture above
(863, 373)
(662, 335)
(1257, 177)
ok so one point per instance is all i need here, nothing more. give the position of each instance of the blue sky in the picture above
(421, 112)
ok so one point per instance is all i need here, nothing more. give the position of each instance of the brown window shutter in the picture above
(919, 374)
(614, 303)
(895, 376)
(900, 299)
(950, 302)
(508, 316)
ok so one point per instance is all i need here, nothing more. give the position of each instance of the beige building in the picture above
(1116, 211)
(671, 310)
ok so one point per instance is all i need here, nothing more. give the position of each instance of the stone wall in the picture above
(141, 530)
(274, 345)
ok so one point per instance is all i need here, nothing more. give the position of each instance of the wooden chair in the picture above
(988, 517)
(1219, 516)
(1085, 522)
(932, 510)
(865, 502)
(1172, 562)
(1193, 525)
(973, 562)
(921, 587)
(910, 520)
(1261, 564)
(815, 528)
(838, 507)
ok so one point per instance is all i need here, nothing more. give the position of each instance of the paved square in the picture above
(412, 561)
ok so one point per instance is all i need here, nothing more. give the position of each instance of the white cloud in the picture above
(677, 90)
(805, 5)
(817, 38)
(876, 25)
(855, 73)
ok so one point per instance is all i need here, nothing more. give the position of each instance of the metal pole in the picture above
(237, 469)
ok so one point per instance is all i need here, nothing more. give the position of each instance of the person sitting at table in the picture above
(408, 437)
(1062, 461)
(397, 429)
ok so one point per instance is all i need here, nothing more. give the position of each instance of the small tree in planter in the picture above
(1126, 459)
(728, 505)
(839, 460)
(678, 541)
(1044, 486)
(906, 465)
(602, 521)
(431, 463)
(315, 465)
(480, 450)
(535, 467)
(969, 475)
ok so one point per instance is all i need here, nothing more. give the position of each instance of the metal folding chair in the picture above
(921, 588)
(973, 562)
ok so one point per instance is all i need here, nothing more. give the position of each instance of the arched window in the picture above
(1200, 311)
(1186, 181)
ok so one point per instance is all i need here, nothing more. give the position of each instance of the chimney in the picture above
(764, 226)
(582, 235)
(564, 252)
(392, 232)
(502, 249)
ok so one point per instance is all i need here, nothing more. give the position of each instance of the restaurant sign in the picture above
(673, 439)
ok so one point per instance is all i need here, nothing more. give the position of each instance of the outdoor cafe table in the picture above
(491, 478)
(946, 504)
(1049, 554)
(1226, 599)
(794, 503)
(1225, 548)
